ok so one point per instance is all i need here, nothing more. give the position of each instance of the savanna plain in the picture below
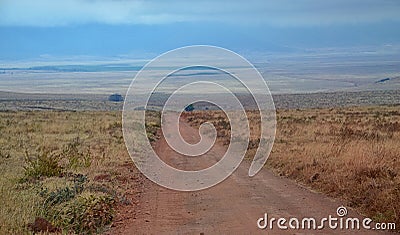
(70, 172)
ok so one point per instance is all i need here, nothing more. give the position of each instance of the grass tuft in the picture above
(44, 165)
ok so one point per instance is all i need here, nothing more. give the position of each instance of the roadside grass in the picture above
(348, 153)
(50, 164)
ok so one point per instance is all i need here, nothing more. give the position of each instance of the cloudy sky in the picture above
(30, 29)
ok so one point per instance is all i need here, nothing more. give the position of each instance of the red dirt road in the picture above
(231, 207)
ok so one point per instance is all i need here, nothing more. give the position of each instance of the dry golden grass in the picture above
(27, 134)
(348, 153)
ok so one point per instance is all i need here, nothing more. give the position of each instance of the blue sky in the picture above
(31, 29)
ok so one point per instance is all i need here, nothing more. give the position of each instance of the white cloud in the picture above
(279, 13)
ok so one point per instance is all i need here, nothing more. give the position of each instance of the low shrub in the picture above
(44, 165)
(87, 213)
(63, 194)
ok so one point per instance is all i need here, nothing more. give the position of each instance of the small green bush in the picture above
(45, 164)
(74, 209)
(63, 194)
(87, 213)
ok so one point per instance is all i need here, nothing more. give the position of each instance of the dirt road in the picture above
(231, 207)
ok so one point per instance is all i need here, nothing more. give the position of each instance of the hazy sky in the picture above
(30, 29)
